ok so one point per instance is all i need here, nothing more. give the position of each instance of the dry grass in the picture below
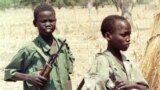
(82, 30)
(151, 64)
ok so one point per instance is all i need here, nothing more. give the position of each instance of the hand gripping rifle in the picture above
(48, 66)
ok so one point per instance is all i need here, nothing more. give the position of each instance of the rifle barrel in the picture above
(80, 85)
(54, 56)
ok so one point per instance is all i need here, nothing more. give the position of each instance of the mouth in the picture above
(49, 29)
(127, 45)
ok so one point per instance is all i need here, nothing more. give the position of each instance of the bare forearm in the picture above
(19, 76)
(36, 80)
(120, 84)
(141, 87)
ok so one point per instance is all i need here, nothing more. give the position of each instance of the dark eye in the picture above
(43, 21)
(123, 34)
(52, 20)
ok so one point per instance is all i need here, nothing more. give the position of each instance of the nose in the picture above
(128, 38)
(48, 23)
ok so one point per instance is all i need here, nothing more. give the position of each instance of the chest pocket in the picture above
(36, 63)
(117, 71)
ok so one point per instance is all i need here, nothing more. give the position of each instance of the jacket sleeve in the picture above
(18, 64)
(137, 76)
(98, 77)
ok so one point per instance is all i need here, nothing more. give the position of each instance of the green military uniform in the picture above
(29, 60)
(106, 70)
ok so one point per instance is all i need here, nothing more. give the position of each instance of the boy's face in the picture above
(120, 37)
(45, 22)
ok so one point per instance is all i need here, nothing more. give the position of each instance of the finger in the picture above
(43, 79)
(41, 84)
(117, 82)
(122, 88)
(121, 84)
(38, 72)
(36, 83)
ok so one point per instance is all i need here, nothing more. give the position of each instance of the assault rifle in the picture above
(45, 72)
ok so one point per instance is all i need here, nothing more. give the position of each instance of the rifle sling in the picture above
(46, 58)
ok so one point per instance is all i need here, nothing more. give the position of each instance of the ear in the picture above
(108, 36)
(34, 23)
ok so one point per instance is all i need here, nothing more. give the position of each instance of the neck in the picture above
(48, 39)
(115, 52)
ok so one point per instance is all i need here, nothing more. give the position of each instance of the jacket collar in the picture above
(42, 44)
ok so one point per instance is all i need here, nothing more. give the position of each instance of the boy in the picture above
(112, 69)
(28, 62)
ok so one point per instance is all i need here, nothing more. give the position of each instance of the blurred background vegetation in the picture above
(16, 26)
(4, 4)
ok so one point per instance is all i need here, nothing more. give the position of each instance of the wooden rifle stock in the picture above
(45, 72)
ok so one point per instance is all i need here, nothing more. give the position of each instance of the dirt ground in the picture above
(80, 27)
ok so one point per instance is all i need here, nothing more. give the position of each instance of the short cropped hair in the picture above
(42, 7)
(108, 24)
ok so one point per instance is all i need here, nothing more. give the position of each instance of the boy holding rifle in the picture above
(28, 63)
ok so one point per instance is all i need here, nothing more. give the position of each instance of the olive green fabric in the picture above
(106, 70)
(29, 60)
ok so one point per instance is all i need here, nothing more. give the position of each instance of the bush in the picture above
(143, 1)
(5, 4)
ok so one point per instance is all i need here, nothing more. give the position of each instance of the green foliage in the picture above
(69, 2)
(81, 2)
(143, 1)
(5, 4)
(29, 2)
(59, 3)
